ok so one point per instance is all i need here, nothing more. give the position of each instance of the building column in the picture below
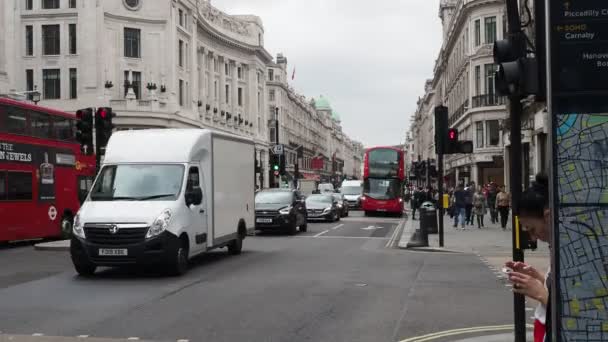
(475, 174)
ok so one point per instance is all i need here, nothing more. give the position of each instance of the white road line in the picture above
(338, 226)
(394, 235)
(82, 336)
(133, 338)
(321, 233)
(341, 237)
(529, 309)
(37, 334)
(183, 340)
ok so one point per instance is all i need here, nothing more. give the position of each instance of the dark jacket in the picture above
(459, 199)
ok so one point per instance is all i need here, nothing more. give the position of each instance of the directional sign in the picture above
(278, 149)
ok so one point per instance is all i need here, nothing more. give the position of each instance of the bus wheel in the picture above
(67, 223)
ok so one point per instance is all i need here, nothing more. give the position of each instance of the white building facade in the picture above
(158, 64)
(463, 81)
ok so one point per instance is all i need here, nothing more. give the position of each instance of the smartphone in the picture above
(506, 270)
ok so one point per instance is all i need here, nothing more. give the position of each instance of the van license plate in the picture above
(264, 220)
(113, 251)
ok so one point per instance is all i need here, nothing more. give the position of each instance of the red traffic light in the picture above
(453, 134)
(276, 173)
(103, 113)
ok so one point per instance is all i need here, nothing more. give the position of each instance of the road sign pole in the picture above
(276, 137)
(440, 198)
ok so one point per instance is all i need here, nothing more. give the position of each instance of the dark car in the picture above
(342, 204)
(322, 207)
(280, 209)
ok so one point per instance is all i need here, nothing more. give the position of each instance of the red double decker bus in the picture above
(43, 174)
(383, 177)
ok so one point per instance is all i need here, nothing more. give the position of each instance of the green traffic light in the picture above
(275, 167)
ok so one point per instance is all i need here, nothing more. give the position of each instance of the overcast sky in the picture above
(368, 58)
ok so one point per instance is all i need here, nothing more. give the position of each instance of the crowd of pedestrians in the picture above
(469, 204)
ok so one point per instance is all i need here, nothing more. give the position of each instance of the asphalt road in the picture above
(339, 281)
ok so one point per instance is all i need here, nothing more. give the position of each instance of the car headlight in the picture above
(78, 229)
(328, 209)
(285, 211)
(339, 205)
(160, 224)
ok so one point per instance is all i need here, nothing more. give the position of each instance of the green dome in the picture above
(335, 115)
(322, 103)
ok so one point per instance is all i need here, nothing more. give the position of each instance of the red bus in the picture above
(43, 174)
(383, 178)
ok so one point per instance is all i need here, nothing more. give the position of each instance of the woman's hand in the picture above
(524, 268)
(529, 287)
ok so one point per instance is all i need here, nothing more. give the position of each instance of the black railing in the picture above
(488, 100)
(458, 113)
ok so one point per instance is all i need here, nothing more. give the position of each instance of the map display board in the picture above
(578, 57)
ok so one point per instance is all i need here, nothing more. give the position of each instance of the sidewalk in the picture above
(490, 243)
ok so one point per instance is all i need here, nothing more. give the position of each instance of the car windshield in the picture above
(337, 197)
(319, 199)
(274, 197)
(352, 190)
(138, 182)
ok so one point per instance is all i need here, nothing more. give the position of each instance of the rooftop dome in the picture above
(322, 103)
(335, 115)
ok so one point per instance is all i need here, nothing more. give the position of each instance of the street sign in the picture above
(579, 126)
(278, 150)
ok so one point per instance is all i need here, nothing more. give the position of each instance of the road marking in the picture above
(372, 228)
(341, 237)
(529, 309)
(133, 338)
(338, 226)
(441, 334)
(321, 233)
(37, 334)
(183, 340)
(82, 336)
(396, 233)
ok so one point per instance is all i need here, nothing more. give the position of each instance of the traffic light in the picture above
(517, 74)
(103, 128)
(84, 127)
(282, 165)
(274, 163)
(454, 145)
(441, 126)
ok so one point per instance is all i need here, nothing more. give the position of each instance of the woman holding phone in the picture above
(535, 217)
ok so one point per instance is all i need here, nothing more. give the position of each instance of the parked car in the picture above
(322, 207)
(326, 187)
(342, 204)
(280, 209)
(352, 191)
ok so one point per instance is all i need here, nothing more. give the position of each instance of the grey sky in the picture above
(368, 58)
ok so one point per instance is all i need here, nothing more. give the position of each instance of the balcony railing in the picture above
(488, 100)
(458, 113)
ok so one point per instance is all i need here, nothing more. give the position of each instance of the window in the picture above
(63, 128)
(181, 92)
(271, 95)
(40, 125)
(72, 4)
(50, 40)
(51, 84)
(493, 132)
(239, 73)
(477, 32)
(227, 93)
(240, 96)
(272, 134)
(2, 185)
(479, 129)
(19, 186)
(259, 102)
(504, 26)
(490, 69)
(478, 80)
(259, 125)
(270, 75)
(73, 84)
(29, 40)
(226, 69)
(193, 180)
(72, 39)
(13, 120)
(180, 52)
(215, 89)
(136, 84)
(29, 79)
(490, 30)
(29, 5)
(181, 17)
(50, 4)
(132, 42)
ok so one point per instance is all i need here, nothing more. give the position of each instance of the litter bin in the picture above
(428, 217)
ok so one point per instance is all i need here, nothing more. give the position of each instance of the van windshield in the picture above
(352, 190)
(142, 182)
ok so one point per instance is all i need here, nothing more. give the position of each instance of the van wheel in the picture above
(67, 223)
(85, 269)
(179, 262)
(236, 246)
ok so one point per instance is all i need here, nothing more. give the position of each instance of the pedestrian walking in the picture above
(416, 201)
(459, 207)
(468, 200)
(492, 192)
(535, 217)
(503, 203)
(479, 206)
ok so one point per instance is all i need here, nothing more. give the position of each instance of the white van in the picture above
(352, 191)
(163, 196)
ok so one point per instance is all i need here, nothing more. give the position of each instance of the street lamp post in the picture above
(35, 96)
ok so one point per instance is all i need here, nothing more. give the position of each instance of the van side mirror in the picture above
(194, 196)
